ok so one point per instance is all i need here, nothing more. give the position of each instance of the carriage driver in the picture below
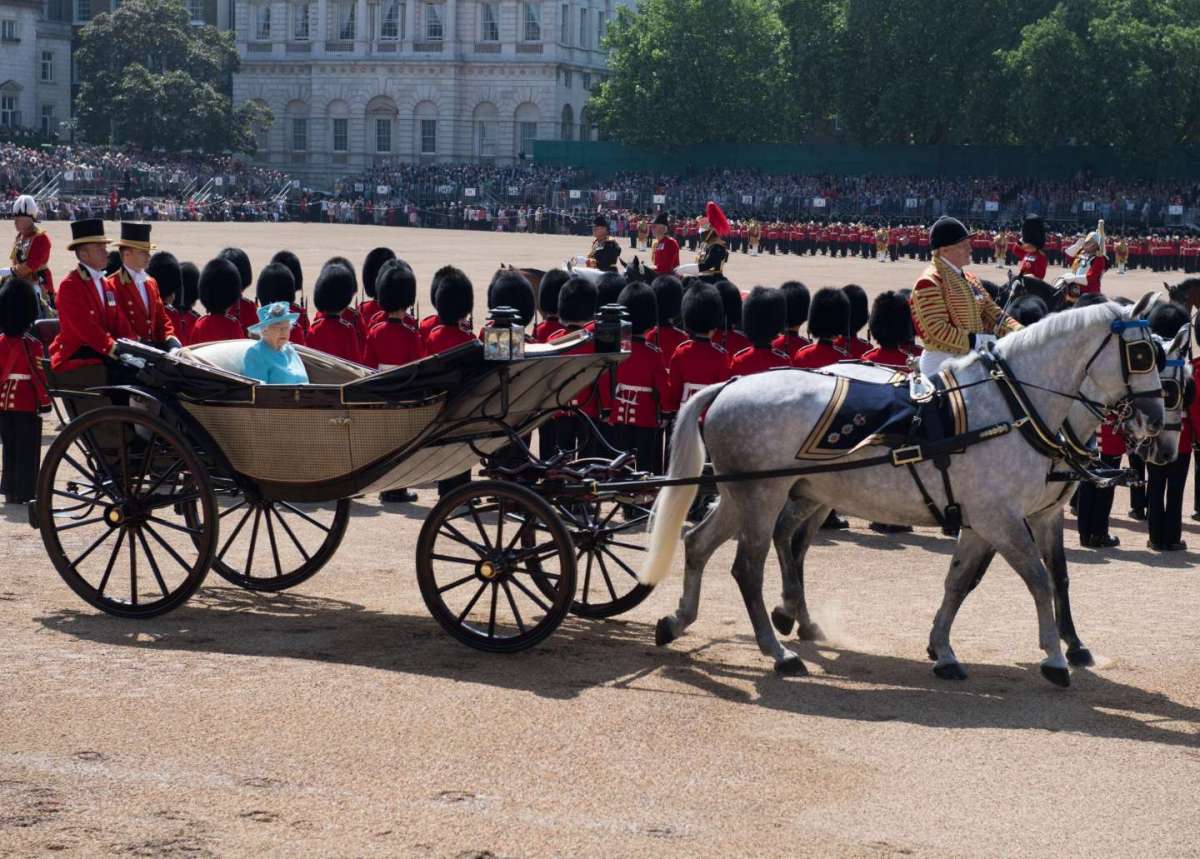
(950, 308)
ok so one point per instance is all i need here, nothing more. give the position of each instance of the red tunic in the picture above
(757, 359)
(696, 364)
(547, 328)
(335, 335)
(588, 399)
(1095, 271)
(641, 385)
(667, 340)
(367, 310)
(665, 255)
(789, 343)
(1034, 264)
(393, 343)
(443, 337)
(360, 326)
(212, 327)
(897, 359)
(34, 254)
(22, 383)
(178, 321)
(731, 341)
(247, 312)
(819, 354)
(148, 319)
(856, 348)
(85, 320)
(425, 326)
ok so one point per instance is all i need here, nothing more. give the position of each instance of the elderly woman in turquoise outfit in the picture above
(273, 360)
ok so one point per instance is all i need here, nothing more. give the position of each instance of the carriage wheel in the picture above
(126, 512)
(610, 544)
(496, 566)
(276, 545)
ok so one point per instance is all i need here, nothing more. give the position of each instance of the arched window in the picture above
(381, 120)
(426, 126)
(526, 118)
(568, 123)
(485, 126)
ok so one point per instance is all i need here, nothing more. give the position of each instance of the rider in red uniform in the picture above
(665, 250)
(1033, 239)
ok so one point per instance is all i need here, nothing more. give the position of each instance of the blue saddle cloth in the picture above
(874, 413)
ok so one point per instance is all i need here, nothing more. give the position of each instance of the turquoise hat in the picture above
(269, 314)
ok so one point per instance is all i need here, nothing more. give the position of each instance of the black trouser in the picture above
(1196, 487)
(644, 442)
(20, 455)
(1095, 505)
(1137, 494)
(1164, 485)
(574, 433)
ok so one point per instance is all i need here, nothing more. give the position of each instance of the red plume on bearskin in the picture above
(716, 218)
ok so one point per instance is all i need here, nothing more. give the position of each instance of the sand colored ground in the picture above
(338, 719)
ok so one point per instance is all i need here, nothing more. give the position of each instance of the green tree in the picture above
(151, 79)
(686, 71)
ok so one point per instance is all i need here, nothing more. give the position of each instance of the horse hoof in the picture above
(783, 624)
(1080, 657)
(663, 634)
(950, 671)
(790, 666)
(931, 653)
(1057, 676)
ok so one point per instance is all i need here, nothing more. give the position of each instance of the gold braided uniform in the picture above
(948, 307)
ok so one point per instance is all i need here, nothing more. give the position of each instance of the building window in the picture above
(489, 26)
(564, 25)
(48, 66)
(528, 134)
(428, 136)
(9, 31)
(345, 21)
(601, 20)
(587, 82)
(341, 135)
(262, 23)
(299, 134)
(392, 28)
(568, 122)
(301, 23)
(433, 22)
(533, 22)
(568, 78)
(485, 139)
(583, 28)
(196, 11)
(10, 117)
(383, 135)
(83, 11)
(47, 119)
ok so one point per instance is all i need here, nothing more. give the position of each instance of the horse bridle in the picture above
(1138, 357)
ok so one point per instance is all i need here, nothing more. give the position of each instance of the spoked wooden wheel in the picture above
(276, 545)
(610, 545)
(496, 566)
(126, 512)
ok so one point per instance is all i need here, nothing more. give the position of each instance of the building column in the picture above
(319, 34)
(362, 27)
(410, 22)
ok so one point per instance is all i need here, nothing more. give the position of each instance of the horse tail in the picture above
(671, 506)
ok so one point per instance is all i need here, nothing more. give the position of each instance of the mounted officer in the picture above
(605, 251)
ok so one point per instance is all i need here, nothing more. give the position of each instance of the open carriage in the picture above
(191, 466)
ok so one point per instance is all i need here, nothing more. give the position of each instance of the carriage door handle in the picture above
(339, 422)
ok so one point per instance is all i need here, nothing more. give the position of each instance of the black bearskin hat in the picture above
(220, 285)
(376, 257)
(396, 286)
(454, 295)
(189, 286)
(1033, 231)
(18, 306)
(829, 314)
(731, 303)
(510, 288)
(798, 299)
(891, 320)
(241, 261)
(164, 268)
(946, 231)
(577, 301)
(860, 308)
(703, 311)
(639, 300)
(1028, 309)
(335, 287)
(608, 288)
(548, 289)
(1166, 319)
(293, 263)
(275, 283)
(349, 266)
(1089, 299)
(668, 295)
(663, 218)
(600, 221)
(113, 264)
(763, 313)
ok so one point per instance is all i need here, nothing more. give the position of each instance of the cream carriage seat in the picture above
(230, 356)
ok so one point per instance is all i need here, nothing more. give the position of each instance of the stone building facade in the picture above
(356, 84)
(35, 65)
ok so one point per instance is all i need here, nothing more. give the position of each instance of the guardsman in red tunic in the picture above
(790, 341)
(577, 302)
(551, 284)
(731, 338)
(1033, 239)
(136, 290)
(375, 260)
(1087, 264)
(31, 251)
(292, 262)
(394, 341)
(667, 335)
(510, 288)
(90, 317)
(665, 251)
(452, 327)
(23, 395)
(331, 332)
(763, 315)
(891, 326)
(246, 311)
(852, 344)
(698, 362)
(632, 406)
(828, 319)
(168, 277)
(276, 284)
(219, 287)
(185, 301)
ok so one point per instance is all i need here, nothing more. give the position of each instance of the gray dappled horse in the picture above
(756, 424)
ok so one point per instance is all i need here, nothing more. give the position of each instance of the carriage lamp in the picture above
(504, 336)
(613, 331)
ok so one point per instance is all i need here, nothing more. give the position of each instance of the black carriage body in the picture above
(354, 431)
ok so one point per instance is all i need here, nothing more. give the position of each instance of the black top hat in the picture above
(88, 231)
(135, 235)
